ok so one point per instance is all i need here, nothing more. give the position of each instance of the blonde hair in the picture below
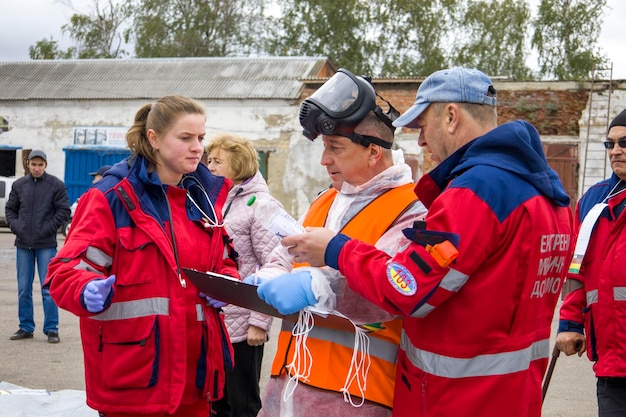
(243, 157)
(159, 117)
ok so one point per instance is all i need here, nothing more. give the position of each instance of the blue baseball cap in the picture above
(454, 85)
(101, 170)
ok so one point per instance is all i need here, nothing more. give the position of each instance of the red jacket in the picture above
(156, 344)
(600, 304)
(476, 333)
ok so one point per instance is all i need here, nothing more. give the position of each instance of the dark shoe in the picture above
(21, 334)
(53, 337)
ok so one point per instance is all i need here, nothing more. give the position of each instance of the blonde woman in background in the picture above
(236, 159)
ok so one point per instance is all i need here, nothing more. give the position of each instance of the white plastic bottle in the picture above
(275, 219)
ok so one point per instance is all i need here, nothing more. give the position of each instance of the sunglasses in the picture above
(609, 144)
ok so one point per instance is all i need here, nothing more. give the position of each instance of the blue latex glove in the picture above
(97, 293)
(288, 293)
(213, 302)
(254, 280)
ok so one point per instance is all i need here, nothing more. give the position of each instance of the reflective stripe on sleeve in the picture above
(452, 281)
(84, 266)
(98, 257)
(482, 365)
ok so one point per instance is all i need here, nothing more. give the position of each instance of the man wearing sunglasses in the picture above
(593, 314)
(479, 279)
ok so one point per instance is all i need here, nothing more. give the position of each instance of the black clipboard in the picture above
(232, 291)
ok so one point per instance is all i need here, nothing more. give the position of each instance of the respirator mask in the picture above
(338, 107)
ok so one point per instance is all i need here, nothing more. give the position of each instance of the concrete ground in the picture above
(33, 363)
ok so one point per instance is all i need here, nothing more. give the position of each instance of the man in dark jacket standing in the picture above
(38, 205)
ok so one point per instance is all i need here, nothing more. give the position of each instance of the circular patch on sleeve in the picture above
(401, 279)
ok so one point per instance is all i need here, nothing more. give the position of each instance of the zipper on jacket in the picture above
(230, 203)
(424, 398)
(100, 343)
(182, 280)
(140, 343)
(34, 203)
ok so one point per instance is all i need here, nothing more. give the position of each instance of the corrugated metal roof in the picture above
(202, 78)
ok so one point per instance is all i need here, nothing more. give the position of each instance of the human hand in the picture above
(96, 293)
(288, 293)
(256, 336)
(254, 280)
(571, 342)
(309, 247)
(213, 302)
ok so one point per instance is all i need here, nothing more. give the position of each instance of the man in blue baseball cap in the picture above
(470, 91)
(479, 279)
(97, 176)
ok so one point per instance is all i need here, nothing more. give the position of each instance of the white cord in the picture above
(302, 361)
(208, 221)
(359, 364)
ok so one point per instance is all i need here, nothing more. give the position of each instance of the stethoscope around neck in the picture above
(208, 221)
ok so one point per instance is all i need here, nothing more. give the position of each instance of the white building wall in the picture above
(602, 107)
(295, 175)
(294, 172)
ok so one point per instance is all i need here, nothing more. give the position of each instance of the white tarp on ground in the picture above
(16, 401)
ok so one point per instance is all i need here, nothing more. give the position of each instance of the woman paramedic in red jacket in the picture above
(152, 345)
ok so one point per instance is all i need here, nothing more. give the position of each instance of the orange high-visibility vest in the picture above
(331, 341)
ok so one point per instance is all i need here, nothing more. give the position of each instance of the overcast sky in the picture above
(24, 22)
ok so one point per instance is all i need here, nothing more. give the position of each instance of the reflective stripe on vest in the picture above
(482, 365)
(452, 281)
(378, 348)
(333, 344)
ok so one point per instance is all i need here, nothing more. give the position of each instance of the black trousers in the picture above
(242, 397)
(611, 397)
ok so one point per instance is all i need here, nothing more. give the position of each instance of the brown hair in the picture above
(482, 113)
(159, 117)
(243, 156)
(371, 125)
